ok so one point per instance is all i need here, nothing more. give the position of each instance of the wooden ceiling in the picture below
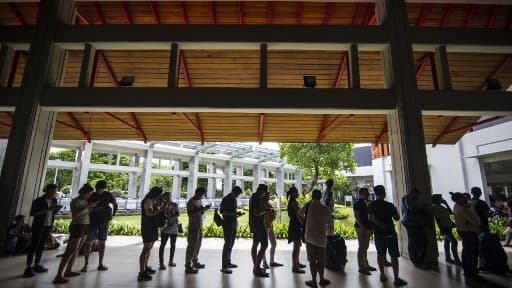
(240, 68)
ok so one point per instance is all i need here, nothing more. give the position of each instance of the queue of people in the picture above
(310, 224)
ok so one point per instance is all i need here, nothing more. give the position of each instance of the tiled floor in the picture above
(122, 259)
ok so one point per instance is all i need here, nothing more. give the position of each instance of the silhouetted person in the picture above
(295, 229)
(328, 200)
(269, 219)
(100, 217)
(382, 214)
(258, 230)
(316, 218)
(43, 210)
(442, 214)
(195, 211)
(149, 229)
(18, 237)
(78, 229)
(169, 231)
(228, 209)
(364, 231)
(481, 208)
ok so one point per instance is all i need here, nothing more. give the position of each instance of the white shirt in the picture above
(316, 222)
(49, 214)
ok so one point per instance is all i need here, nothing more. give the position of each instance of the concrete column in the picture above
(211, 181)
(228, 178)
(298, 180)
(193, 169)
(81, 173)
(280, 181)
(32, 131)
(410, 168)
(132, 177)
(176, 180)
(145, 180)
(256, 172)
(239, 172)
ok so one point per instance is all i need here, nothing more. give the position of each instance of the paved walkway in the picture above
(122, 259)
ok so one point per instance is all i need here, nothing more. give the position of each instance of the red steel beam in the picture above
(466, 127)
(492, 17)
(423, 15)
(99, 14)
(195, 126)
(447, 14)
(138, 126)
(343, 66)
(433, 68)
(261, 122)
(10, 115)
(154, 12)
(366, 18)
(241, 15)
(16, 13)
(357, 14)
(328, 13)
(7, 125)
(79, 127)
(383, 132)
(82, 17)
(471, 13)
(14, 68)
(497, 71)
(300, 8)
(212, 13)
(183, 66)
(423, 62)
(445, 131)
(326, 129)
(371, 20)
(270, 10)
(126, 12)
(183, 11)
(110, 72)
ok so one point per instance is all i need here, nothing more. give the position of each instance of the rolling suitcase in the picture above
(492, 256)
(336, 253)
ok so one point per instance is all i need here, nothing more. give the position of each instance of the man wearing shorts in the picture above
(258, 230)
(100, 218)
(382, 214)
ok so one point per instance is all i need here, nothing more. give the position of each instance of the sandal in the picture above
(324, 282)
(102, 268)
(71, 274)
(311, 283)
(60, 280)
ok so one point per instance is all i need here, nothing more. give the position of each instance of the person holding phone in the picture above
(43, 210)
(80, 208)
(195, 211)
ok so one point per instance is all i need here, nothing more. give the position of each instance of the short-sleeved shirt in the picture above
(383, 212)
(195, 220)
(229, 204)
(48, 219)
(255, 222)
(361, 206)
(102, 212)
(76, 205)
(317, 218)
(482, 210)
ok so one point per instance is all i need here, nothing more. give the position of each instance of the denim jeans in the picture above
(229, 229)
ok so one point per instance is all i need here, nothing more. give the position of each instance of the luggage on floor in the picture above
(336, 253)
(492, 256)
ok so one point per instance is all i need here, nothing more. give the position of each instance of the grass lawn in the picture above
(208, 218)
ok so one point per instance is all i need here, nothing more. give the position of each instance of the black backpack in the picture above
(217, 218)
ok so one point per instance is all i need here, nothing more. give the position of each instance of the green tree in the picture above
(323, 159)
(343, 186)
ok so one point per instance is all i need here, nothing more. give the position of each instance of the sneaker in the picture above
(150, 270)
(40, 269)
(60, 280)
(399, 282)
(29, 272)
(449, 260)
(311, 283)
(260, 273)
(102, 268)
(232, 265)
(275, 264)
(372, 269)
(302, 265)
(71, 274)
(226, 271)
(190, 270)
(84, 269)
(324, 282)
(298, 271)
(162, 267)
(365, 272)
(172, 264)
(265, 266)
(144, 276)
(198, 265)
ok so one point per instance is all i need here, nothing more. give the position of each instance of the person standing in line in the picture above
(382, 214)
(170, 230)
(364, 231)
(195, 211)
(80, 208)
(43, 210)
(149, 229)
(328, 200)
(316, 218)
(468, 226)
(258, 230)
(481, 208)
(295, 229)
(269, 219)
(100, 217)
(228, 209)
(442, 214)
(415, 219)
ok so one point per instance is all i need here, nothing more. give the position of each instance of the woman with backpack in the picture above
(149, 229)
(170, 229)
(295, 230)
